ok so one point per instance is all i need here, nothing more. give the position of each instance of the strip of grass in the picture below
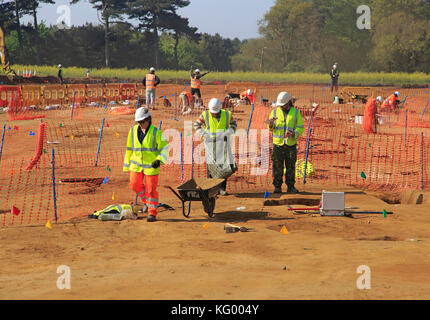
(358, 78)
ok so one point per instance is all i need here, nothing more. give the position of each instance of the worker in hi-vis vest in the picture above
(216, 125)
(286, 124)
(392, 102)
(146, 151)
(196, 83)
(150, 82)
(248, 96)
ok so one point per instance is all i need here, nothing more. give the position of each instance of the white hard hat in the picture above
(197, 71)
(397, 93)
(334, 67)
(59, 66)
(249, 92)
(380, 99)
(142, 113)
(215, 105)
(152, 69)
(283, 99)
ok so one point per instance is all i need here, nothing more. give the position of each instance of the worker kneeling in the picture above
(247, 96)
(286, 123)
(216, 127)
(146, 151)
(186, 102)
(392, 102)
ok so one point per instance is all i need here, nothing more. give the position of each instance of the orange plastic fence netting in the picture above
(340, 152)
(342, 156)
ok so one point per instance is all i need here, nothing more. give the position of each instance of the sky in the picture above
(229, 18)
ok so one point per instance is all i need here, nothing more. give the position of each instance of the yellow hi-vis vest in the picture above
(293, 122)
(139, 157)
(150, 81)
(114, 212)
(215, 127)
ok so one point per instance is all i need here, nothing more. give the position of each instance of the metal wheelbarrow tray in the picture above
(204, 190)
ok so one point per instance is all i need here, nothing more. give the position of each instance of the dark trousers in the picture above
(196, 91)
(334, 84)
(284, 156)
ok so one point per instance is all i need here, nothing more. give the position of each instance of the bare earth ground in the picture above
(176, 258)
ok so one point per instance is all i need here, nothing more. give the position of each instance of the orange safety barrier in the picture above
(31, 94)
(39, 146)
(128, 91)
(121, 111)
(78, 91)
(141, 91)
(112, 92)
(9, 93)
(95, 92)
(53, 94)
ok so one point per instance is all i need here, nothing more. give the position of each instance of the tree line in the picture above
(295, 36)
(312, 35)
(132, 34)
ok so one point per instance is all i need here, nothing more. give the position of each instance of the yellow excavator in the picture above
(4, 63)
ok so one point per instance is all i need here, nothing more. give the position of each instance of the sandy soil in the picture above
(179, 258)
(176, 258)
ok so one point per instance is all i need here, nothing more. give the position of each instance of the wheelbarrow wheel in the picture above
(186, 215)
(211, 207)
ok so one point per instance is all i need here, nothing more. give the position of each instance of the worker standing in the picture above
(392, 102)
(150, 82)
(370, 111)
(146, 151)
(334, 75)
(60, 73)
(248, 96)
(196, 83)
(216, 125)
(286, 123)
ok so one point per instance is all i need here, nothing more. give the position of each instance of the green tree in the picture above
(109, 9)
(34, 6)
(156, 16)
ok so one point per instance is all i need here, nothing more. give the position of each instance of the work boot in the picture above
(277, 190)
(291, 189)
(151, 218)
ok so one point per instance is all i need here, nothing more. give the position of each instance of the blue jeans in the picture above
(150, 97)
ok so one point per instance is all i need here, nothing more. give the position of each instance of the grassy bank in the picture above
(362, 78)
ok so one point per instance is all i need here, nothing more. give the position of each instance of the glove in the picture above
(156, 164)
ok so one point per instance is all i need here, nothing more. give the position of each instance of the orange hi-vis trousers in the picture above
(146, 188)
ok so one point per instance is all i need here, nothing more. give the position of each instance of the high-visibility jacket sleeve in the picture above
(162, 148)
(200, 125)
(128, 153)
(300, 128)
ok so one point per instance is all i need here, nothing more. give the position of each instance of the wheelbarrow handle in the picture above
(180, 198)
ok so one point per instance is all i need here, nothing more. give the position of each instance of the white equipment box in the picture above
(333, 203)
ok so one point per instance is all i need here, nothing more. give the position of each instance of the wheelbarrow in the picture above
(204, 190)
